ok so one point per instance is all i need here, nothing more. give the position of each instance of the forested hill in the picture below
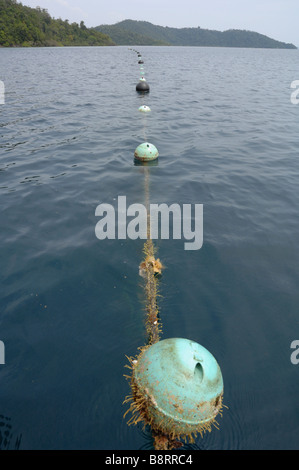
(25, 26)
(130, 32)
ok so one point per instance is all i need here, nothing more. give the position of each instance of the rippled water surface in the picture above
(71, 306)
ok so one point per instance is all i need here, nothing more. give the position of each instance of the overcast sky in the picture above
(277, 19)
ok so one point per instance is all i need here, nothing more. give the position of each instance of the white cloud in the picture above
(70, 7)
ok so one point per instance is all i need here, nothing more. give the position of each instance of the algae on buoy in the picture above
(177, 388)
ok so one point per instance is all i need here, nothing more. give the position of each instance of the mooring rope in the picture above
(150, 269)
(179, 417)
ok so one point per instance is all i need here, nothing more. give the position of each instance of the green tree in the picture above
(25, 26)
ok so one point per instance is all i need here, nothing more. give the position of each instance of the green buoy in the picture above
(177, 387)
(146, 152)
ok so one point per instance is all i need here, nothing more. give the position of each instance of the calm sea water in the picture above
(71, 306)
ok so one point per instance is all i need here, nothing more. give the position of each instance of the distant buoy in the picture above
(144, 109)
(140, 62)
(146, 152)
(142, 86)
(178, 387)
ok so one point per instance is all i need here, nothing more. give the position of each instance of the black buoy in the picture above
(142, 86)
(140, 62)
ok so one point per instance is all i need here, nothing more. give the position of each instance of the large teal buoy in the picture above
(146, 152)
(177, 385)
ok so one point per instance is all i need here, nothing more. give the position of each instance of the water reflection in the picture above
(146, 434)
(141, 163)
(7, 439)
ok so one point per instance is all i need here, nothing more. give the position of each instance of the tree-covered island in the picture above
(23, 26)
